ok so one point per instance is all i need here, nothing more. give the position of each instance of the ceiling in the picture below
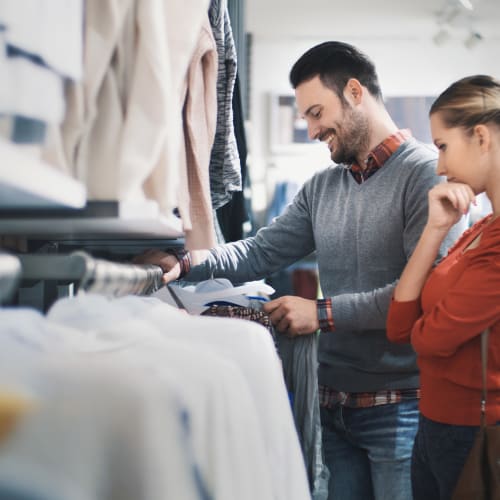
(373, 19)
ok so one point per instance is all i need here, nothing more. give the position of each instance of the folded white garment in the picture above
(197, 298)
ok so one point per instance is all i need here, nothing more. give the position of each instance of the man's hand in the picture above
(293, 315)
(169, 263)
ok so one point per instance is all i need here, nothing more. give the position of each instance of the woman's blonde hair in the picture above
(469, 102)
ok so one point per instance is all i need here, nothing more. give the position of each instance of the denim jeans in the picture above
(368, 450)
(438, 457)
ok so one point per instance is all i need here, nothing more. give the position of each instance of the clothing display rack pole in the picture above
(10, 274)
(91, 274)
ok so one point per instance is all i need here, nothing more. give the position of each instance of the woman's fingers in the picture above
(459, 196)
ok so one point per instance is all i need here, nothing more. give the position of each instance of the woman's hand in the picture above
(448, 201)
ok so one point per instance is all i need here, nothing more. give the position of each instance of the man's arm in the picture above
(287, 239)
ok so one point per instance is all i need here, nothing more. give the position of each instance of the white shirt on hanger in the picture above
(98, 434)
(211, 388)
(251, 347)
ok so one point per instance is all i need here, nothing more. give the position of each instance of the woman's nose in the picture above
(441, 169)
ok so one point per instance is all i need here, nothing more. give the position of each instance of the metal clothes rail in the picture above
(91, 274)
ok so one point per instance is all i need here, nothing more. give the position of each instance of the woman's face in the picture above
(459, 154)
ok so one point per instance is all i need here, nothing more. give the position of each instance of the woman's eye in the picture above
(442, 147)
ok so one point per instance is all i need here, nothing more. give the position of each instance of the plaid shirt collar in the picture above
(379, 155)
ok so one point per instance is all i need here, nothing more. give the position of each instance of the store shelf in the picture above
(39, 202)
(98, 220)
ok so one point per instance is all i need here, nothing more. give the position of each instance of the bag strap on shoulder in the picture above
(484, 365)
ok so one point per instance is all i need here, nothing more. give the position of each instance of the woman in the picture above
(442, 311)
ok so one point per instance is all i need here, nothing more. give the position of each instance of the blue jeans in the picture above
(438, 457)
(368, 450)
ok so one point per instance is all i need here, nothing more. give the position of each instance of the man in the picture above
(363, 217)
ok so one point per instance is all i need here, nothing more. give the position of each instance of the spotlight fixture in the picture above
(441, 37)
(473, 39)
(448, 14)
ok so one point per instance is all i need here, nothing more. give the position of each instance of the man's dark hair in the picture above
(335, 63)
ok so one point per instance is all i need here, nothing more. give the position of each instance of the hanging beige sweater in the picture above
(122, 135)
(93, 105)
(199, 118)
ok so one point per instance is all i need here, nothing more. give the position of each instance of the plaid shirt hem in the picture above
(325, 315)
(328, 398)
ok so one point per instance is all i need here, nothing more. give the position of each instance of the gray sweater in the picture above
(363, 235)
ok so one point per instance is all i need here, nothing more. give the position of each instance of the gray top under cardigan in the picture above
(363, 235)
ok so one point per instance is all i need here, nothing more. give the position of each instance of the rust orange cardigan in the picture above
(459, 300)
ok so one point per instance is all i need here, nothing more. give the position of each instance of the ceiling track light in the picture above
(455, 16)
(448, 14)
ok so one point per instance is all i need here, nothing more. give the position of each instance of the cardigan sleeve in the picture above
(468, 307)
(401, 318)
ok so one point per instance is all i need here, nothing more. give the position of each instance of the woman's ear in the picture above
(483, 135)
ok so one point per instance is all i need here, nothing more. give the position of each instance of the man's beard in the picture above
(354, 138)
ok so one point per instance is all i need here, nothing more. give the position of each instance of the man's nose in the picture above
(313, 130)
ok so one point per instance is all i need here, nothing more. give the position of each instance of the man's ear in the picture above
(353, 91)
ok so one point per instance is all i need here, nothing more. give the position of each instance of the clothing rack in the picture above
(91, 274)
(10, 273)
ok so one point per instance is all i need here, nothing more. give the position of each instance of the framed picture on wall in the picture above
(287, 130)
(412, 112)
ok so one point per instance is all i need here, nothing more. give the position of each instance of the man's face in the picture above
(335, 121)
